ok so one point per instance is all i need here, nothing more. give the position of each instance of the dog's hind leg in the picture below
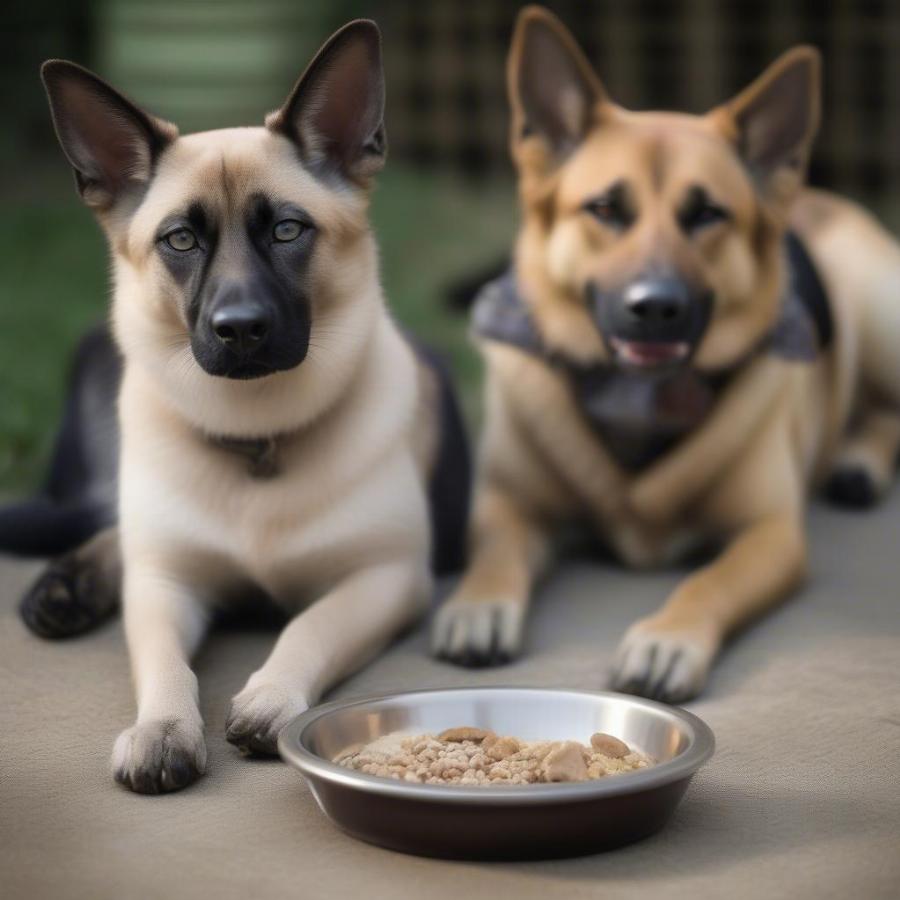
(860, 263)
(78, 498)
(865, 462)
(77, 591)
(42, 526)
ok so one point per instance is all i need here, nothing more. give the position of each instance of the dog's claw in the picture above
(160, 756)
(258, 713)
(477, 634)
(663, 664)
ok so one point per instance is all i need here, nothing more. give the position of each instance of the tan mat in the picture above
(801, 800)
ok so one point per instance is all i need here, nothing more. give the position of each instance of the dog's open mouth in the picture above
(645, 354)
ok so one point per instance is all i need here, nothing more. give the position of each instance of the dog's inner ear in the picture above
(553, 89)
(110, 143)
(774, 120)
(335, 114)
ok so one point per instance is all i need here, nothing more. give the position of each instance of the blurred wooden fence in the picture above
(447, 86)
(208, 63)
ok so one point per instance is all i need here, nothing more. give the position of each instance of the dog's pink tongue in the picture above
(647, 354)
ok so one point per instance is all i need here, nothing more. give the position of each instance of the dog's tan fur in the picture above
(779, 428)
(340, 538)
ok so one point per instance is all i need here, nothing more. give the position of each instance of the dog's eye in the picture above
(610, 209)
(287, 230)
(699, 212)
(181, 239)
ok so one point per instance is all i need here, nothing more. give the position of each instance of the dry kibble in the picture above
(609, 745)
(565, 763)
(470, 756)
(352, 750)
(457, 735)
(502, 748)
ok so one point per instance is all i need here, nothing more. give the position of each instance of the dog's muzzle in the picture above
(246, 334)
(655, 320)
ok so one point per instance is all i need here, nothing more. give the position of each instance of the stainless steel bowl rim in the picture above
(701, 746)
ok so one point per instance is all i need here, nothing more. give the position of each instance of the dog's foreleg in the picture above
(660, 494)
(164, 623)
(667, 656)
(483, 621)
(325, 643)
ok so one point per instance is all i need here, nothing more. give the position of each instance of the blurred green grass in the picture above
(54, 285)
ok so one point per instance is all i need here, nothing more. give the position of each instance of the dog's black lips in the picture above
(649, 355)
(665, 347)
(248, 371)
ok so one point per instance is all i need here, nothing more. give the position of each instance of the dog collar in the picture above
(641, 415)
(259, 454)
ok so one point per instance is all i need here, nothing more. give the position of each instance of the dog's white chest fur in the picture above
(347, 489)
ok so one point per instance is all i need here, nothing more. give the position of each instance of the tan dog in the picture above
(649, 365)
(278, 433)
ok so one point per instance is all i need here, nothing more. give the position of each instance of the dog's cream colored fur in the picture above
(779, 427)
(339, 537)
(341, 533)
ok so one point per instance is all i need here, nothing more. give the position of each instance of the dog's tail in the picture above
(44, 527)
(79, 496)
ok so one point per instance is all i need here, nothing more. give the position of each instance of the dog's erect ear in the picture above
(335, 113)
(774, 120)
(553, 90)
(110, 143)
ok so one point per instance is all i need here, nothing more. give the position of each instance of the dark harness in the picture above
(641, 415)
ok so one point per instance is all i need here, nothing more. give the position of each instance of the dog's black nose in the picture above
(242, 326)
(657, 302)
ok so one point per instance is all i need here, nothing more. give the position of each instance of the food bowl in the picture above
(504, 822)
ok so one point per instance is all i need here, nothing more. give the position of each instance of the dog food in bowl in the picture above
(475, 756)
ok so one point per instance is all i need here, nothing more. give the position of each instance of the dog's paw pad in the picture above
(662, 664)
(257, 716)
(58, 604)
(160, 756)
(478, 633)
(853, 487)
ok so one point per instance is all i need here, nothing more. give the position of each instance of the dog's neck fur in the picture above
(240, 414)
(385, 367)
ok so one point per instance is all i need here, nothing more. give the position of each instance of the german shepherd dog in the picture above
(279, 435)
(688, 342)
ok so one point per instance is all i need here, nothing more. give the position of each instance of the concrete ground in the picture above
(802, 799)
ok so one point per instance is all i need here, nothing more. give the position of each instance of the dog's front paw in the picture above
(258, 713)
(478, 632)
(663, 662)
(159, 756)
